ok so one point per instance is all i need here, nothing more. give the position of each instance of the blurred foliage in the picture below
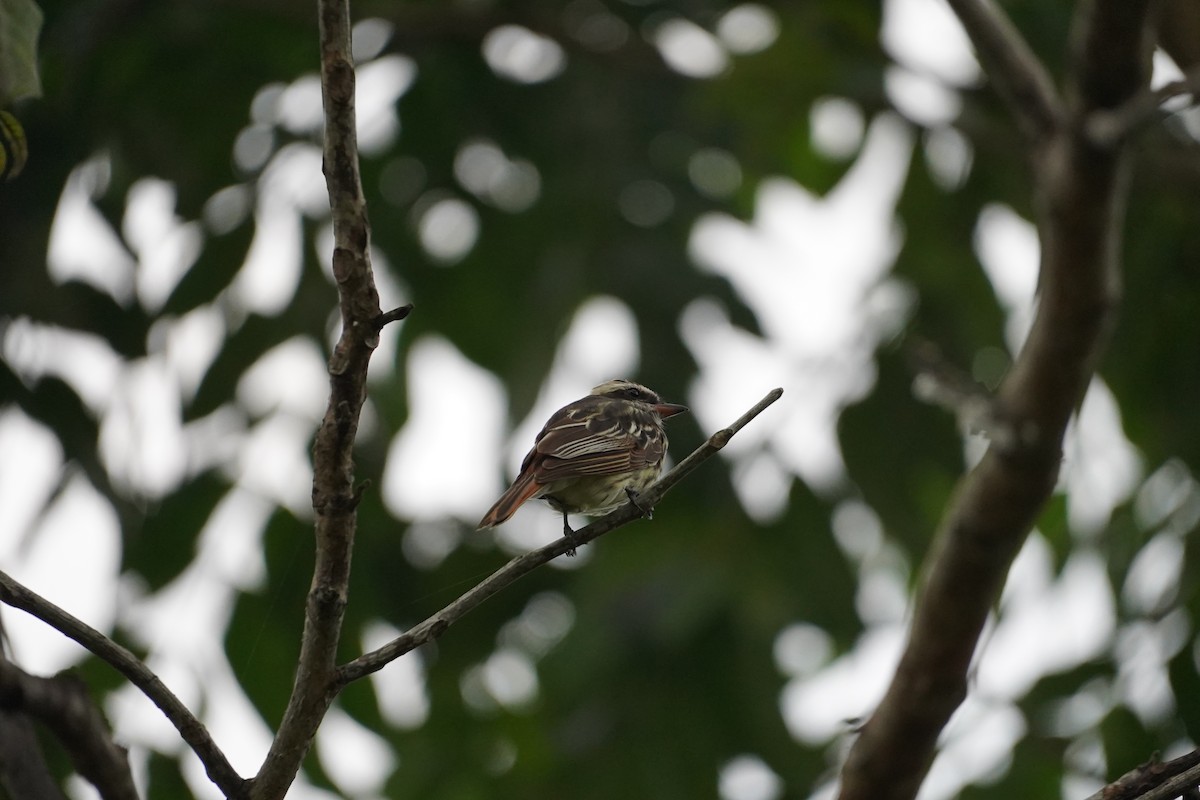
(668, 671)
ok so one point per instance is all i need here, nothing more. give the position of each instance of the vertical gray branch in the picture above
(334, 498)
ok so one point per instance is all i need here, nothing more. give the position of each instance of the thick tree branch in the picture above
(436, 625)
(23, 769)
(125, 662)
(63, 705)
(1081, 194)
(1017, 74)
(335, 501)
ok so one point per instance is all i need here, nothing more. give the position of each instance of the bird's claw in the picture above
(569, 535)
(635, 499)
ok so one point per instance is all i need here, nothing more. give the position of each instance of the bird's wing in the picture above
(582, 441)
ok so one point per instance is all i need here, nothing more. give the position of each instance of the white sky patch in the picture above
(291, 377)
(358, 760)
(378, 85)
(165, 245)
(370, 36)
(823, 705)
(26, 483)
(138, 723)
(227, 209)
(825, 252)
(747, 777)
(73, 558)
(911, 27)
(1008, 249)
(271, 272)
(294, 178)
(921, 98)
(189, 345)
(455, 407)
(689, 49)
(546, 619)
(975, 747)
(1101, 468)
(230, 543)
(1048, 623)
(274, 461)
(510, 678)
(814, 271)
(400, 686)
(1143, 649)
(83, 245)
(447, 227)
(520, 55)
(836, 127)
(483, 169)
(949, 155)
(298, 107)
(141, 435)
(801, 649)
(233, 721)
(1152, 582)
(748, 28)
(84, 361)
(1168, 491)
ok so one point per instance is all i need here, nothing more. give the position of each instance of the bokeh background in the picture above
(714, 198)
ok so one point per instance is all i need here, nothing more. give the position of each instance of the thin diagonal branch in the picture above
(193, 732)
(1019, 77)
(436, 625)
(335, 501)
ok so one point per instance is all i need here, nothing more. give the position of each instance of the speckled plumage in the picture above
(592, 453)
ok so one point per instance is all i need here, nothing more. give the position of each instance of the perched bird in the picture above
(593, 454)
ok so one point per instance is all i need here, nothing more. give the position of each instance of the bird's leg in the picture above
(568, 534)
(635, 498)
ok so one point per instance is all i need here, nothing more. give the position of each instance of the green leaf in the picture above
(20, 24)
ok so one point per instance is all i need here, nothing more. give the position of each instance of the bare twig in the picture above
(388, 317)
(1108, 128)
(1019, 77)
(1081, 193)
(125, 662)
(938, 382)
(436, 625)
(335, 500)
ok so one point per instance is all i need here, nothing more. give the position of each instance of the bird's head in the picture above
(620, 389)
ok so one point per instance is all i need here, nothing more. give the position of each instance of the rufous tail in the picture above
(522, 489)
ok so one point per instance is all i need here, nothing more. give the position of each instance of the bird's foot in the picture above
(635, 498)
(569, 535)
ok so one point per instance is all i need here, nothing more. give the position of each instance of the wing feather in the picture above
(588, 439)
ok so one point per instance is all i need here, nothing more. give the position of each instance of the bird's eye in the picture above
(633, 393)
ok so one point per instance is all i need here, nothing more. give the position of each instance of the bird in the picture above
(592, 455)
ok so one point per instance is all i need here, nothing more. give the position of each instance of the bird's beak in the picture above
(665, 410)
